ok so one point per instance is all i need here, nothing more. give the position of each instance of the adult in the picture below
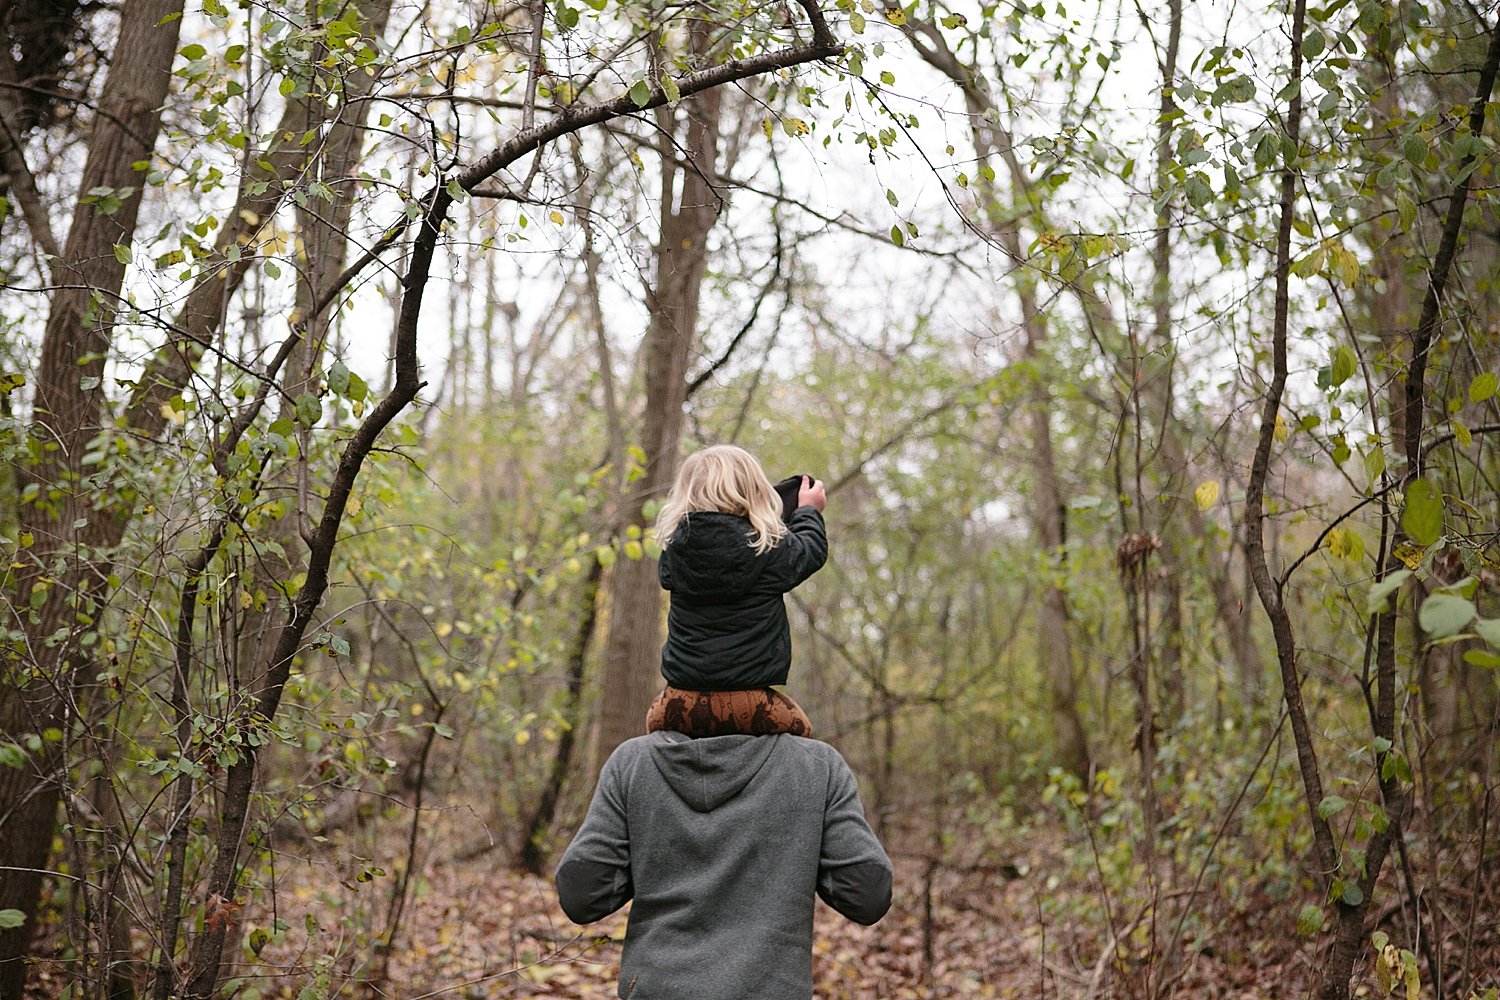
(722, 843)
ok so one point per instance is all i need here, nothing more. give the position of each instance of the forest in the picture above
(1148, 350)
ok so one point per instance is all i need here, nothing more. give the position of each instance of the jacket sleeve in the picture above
(593, 879)
(804, 548)
(854, 874)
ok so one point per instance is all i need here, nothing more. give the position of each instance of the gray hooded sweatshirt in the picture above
(722, 843)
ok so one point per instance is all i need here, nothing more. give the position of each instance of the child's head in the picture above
(728, 480)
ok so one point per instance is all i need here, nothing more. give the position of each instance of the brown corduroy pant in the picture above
(756, 712)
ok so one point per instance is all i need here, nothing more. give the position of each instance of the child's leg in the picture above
(756, 712)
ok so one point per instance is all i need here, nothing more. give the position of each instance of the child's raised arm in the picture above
(804, 550)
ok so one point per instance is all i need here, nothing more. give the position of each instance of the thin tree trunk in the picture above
(533, 853)
(1158, 388)
(1348, 938)
(689, 209)
(68, 413)
(1334, 978)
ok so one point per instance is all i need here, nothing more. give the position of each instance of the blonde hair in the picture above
(728, 480)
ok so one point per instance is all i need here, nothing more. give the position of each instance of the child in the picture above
(727, 558)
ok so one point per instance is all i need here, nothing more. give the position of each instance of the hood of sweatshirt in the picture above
(709, 557)
(706, 773)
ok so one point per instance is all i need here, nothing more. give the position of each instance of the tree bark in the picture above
(689, 209)
(66, 517)
(1163, 404)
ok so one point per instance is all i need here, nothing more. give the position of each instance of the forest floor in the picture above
(474, 928)
(477, 929)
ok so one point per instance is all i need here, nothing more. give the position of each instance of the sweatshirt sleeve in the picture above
(804, 548)
(854, 874)
(593, 879)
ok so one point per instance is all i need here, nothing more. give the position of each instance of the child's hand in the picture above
(811, 494)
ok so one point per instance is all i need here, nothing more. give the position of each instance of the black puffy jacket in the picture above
(727, 628)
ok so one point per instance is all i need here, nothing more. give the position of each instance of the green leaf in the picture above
(1332, 805)
(122, 253)
(1309, 265)
(1422, 519)
(11, 919)
(1477, 657)
(1482, 387)
(1489, 630)
(1352, 894)
(1310, 920)
(640, 93)
(1415, 150)
(897, 236)
(338, 378)
(1342, 365)
(309, 409)
(1381, 590)
(1374, 465)
(1443, 615)
(670, 88)
(194, 51)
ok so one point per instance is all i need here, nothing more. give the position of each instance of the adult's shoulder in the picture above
(825, 754)
(625, 756)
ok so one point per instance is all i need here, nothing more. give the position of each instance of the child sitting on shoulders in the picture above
(727, 559)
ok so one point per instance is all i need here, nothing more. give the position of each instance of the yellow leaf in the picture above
(1347, 265)
(1282, 431)
(1409, 554)
(523, 737)
(1337, 542)
(556, 217)
(250, 217)
(173, 416)
(444, 629)
(765, 127)
(1207, 494)
(794, 126)
(895, 15)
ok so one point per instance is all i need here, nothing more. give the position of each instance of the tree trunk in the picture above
(533, 854)
(1158, 388)
(689, 210)
(39, 694)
